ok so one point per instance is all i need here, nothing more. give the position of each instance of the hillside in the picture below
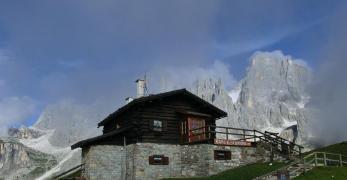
(339, 148)
(322, 173)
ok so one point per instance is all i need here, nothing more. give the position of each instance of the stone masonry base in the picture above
(132, 163)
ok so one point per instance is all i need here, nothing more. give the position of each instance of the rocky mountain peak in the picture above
(274, 77)
(271, 96)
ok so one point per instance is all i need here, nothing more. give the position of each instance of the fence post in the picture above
(255, 139)
(325, 159)
(244, 135)
(304, 165)
(341, 164)
(209, 132)
(227, 132)
(315, 159)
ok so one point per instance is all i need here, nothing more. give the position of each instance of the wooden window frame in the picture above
(163, 125)
(222, 155)
(158, 160)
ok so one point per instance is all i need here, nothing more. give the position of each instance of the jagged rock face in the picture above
(23, 133)
(213, 91)
(290, 133)
(20, 162)
(271, 97)
(71, 122)
(273, 92)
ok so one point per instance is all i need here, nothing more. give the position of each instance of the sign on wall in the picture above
(229, 142)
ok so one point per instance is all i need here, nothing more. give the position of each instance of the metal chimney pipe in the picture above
(141, 87)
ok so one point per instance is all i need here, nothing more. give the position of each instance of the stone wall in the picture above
(103, 162)
(107, 162)
(145, 171)
(198, 160)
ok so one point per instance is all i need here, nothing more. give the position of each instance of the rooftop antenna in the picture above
(146, 89)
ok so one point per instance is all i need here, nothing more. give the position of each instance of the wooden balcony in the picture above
(239, 137)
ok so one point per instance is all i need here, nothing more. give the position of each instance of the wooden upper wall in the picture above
(166, 109)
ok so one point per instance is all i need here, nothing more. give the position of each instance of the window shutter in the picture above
(228, 155)
(215, 155)
(151, 124)
(165, 160)
(151, 160)
(164, 125)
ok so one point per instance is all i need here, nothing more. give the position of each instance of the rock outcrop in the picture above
(20, 162)
(71, 122)
(271, 97)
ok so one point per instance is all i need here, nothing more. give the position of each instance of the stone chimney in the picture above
(141, 87)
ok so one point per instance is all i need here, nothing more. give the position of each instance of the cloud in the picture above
(4, 56)
(94, 50)
(280, 56)
(14, 110)
(100, 47)
(329, 89)
(169, 78)
(235, 48)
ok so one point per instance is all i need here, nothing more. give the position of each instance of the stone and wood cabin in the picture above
(172, 134)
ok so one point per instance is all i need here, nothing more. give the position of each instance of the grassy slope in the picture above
(340, 148)
(241, 173)
(328, 172)
(322, 173)
(255, 170)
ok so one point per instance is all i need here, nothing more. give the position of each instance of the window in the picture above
(222, 155)
(157, 125)
(158, 160)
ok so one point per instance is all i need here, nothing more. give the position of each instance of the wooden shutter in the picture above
(164, 124)
(151, 124)
(228, 155)
(165, 160)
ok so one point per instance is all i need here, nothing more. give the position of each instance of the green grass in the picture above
(322, 173)
(241, 173)
(77, 173)
(339, 148)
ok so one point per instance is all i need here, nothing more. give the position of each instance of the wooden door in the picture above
(196, 129)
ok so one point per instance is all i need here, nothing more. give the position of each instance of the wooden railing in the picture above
(209, 133)
(324, 159)
(306, 163)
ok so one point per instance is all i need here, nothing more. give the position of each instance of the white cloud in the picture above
(301, 63)
(14, 110)
(169, 78)
(4, 56)
(279, 55)
(267, 39)
(2, 83)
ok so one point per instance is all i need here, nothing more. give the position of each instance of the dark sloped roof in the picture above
(97, 138)
(219, 113)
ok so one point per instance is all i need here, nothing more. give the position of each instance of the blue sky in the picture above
(93, 50)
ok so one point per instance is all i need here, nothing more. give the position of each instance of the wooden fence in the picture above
(208, 133)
